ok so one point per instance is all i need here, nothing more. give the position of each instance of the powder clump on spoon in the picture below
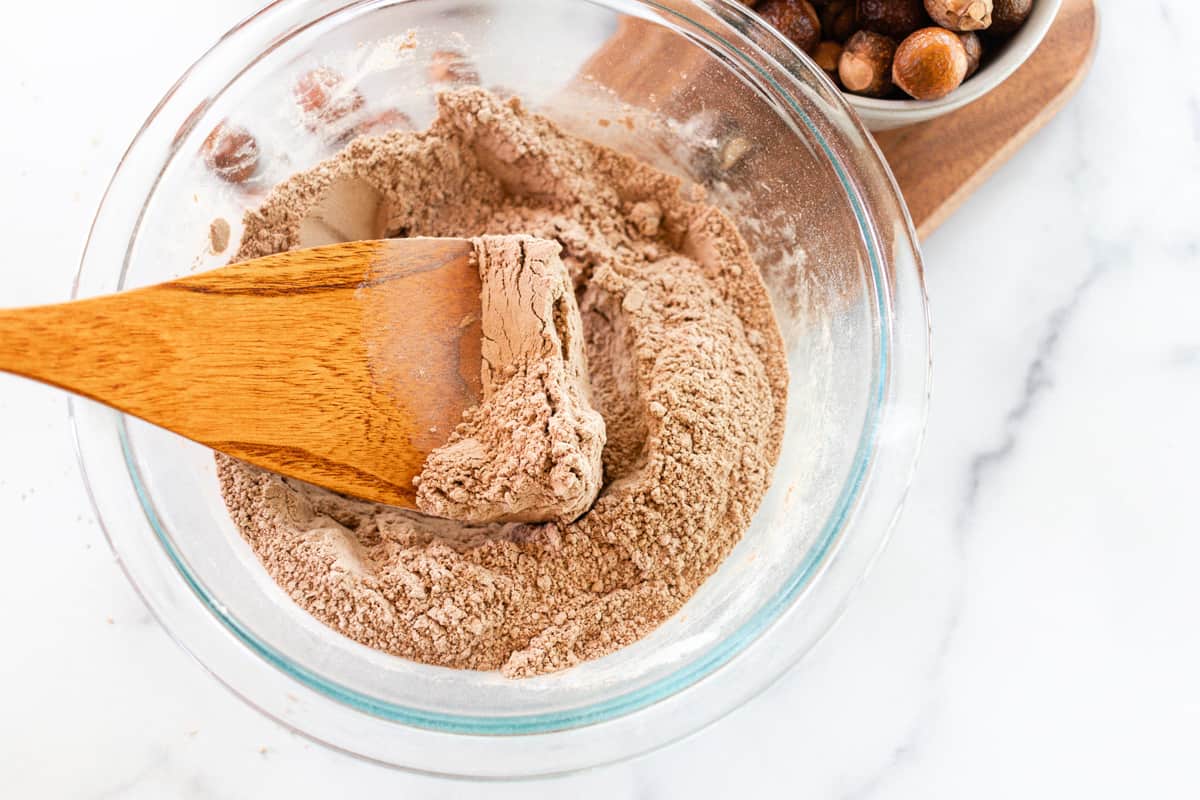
(687, 372)
(531, 450)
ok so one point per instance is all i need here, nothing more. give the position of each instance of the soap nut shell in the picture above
(894, 18)
(1009, 15)
(231, 152)
(839, 19)
(325, 98)
(961, 15)
(974, 47)
(930, 64)
(797, 20)
(866, 64)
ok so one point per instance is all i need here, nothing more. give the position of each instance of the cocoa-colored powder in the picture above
(531, 450)
(218, 235)
(687, 370)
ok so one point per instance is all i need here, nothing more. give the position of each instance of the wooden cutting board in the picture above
(940, 162)
(936, 163)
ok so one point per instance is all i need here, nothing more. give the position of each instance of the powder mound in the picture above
(530, 452)
(687, 370)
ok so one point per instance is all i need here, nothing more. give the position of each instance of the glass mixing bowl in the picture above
(699, 87)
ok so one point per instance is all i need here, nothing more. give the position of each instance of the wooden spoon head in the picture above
(342, 365)
(363, 357)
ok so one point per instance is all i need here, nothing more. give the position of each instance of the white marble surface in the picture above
(1030, 632)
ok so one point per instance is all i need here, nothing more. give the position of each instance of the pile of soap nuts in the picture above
(925, 48)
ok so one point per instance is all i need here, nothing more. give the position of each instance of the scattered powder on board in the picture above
(687, 370)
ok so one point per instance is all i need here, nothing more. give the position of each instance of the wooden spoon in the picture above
(343, 366)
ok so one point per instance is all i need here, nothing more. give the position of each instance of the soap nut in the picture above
(827, 55)
(894, 18)
(866, 64)
(797, 20)
(973, 44)
(324, 98)
(231, 152)
(1009, 15)
(451, 66)
(960, 15)
(930, 64)
(839, 19)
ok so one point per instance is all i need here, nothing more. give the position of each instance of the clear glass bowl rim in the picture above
(691, 674)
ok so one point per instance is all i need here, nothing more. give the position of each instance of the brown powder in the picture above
(218, 235)
(687, 369)
(531, 450)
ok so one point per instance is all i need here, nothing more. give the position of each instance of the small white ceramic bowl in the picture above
(882, 115)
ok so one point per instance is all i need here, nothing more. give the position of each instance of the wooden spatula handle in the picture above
(79, 347)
